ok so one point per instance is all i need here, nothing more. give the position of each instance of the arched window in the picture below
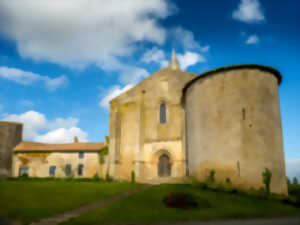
(163, 116)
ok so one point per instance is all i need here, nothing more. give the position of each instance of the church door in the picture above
(164, 166)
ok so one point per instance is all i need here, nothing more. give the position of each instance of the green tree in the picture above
(267, 175)
(295, 181)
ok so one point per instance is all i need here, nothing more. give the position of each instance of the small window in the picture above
(244, 113)
(80, 170)
(162, 113)
(81, 155)
(23, 170)
(52, 170)
(68, 169)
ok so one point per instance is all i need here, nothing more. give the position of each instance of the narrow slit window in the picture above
(244, 113)
(163, 116)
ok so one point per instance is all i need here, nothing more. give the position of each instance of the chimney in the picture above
(76, 139)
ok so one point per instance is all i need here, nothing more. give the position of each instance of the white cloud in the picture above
(185, 60)
(36, 127)
(155, 55)
(133, 75)
(187, 40)
(33, 122)
(252, 39)
(28, 78)
(113, 92)
(249, 11)
(79, 32)
(293, 168)
(63, 135)
(189, 59)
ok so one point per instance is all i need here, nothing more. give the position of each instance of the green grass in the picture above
(147, 207)
(31, 200)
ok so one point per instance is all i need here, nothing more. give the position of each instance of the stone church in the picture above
(176, 124)
(172, 126)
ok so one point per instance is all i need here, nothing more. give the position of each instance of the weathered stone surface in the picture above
(39, 163)
(10, 136)
(137, 138)
(234, 127)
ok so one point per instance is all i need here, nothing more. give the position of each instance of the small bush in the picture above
(211, 177)
(108, 178)
(267, 175)
(184, 201)
(132, 176)
(228, 181)
(96, 177)
(24, 176)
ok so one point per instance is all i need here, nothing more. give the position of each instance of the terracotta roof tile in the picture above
(81, 146)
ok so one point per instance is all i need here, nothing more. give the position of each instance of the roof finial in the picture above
(76, 139)
(174, 64)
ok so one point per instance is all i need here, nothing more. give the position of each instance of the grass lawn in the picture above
(32, 200)
(146, 207)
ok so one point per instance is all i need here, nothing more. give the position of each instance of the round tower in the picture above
(233, 126)
(10, 136)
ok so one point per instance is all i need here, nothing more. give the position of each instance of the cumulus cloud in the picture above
(133, 75)
(63, 135)
(189, 59)
(185, 60)
(113, 92)
(252, 39)
(249, 11)
(79, 32)
(187, 40)
(155, 55)
(293, 168)
(28, 78)
(38, 128)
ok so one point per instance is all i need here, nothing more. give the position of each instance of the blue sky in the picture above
(61, 61)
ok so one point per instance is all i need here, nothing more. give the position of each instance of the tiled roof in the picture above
(26, 146)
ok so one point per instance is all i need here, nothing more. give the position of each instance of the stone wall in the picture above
(136, 134)
(40, 162)
(10, 136)
(233, 126)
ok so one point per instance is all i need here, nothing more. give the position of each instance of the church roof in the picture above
(26, 146)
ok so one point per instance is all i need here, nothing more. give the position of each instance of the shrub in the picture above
(228, 181)
(211, 177)
(24, 176)
(108, 178)
(132, 176)
(267, 175)
(184, 201)
(96, 177)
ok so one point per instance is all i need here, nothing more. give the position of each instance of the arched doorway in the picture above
(164, 166)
